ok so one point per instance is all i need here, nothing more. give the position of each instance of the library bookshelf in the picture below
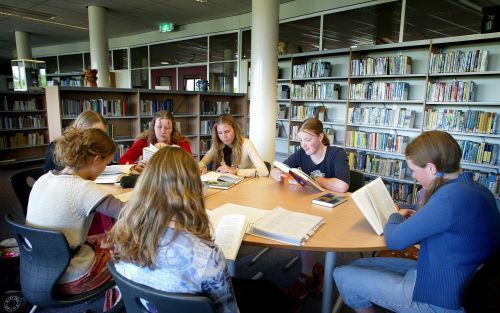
(128, 112)
(24, 134)
(374, 99)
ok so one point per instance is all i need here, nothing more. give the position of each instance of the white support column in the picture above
(98, 36)
(23, 45)
(264, 72)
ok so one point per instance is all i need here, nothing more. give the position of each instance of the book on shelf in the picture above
(221, 177)
(298, 175)
(229, 234)
(277, 224)
(329, 200)
(376, 204)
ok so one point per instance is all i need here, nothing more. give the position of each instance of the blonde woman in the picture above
(162, 240)
(162, 132)
(230, 152)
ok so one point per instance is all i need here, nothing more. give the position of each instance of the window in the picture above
(179, 52)
(301, 35)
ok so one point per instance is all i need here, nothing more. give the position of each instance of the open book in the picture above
(148, 152)
(220, 180)
(376, 204)
(301, 177)
(277, 224)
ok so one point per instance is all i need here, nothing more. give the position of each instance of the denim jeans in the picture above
(387, 282)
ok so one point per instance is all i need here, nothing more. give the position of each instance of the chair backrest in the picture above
(357, 181)
(162, 301)
(22, 182)
(482, 291)
(45, 255)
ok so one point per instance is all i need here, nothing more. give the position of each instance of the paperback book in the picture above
(376, 204)
(298, 175)
(329, 200)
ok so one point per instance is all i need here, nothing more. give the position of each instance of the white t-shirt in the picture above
(64, 203)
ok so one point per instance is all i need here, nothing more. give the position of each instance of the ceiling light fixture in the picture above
(201, 1)
(34, 16)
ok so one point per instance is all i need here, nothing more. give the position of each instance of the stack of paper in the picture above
(113, 173)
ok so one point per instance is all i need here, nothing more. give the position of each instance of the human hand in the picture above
(203, 170)
(227, 169)
(139, 166)
(406, 212)
(277, 175)
(160, 145)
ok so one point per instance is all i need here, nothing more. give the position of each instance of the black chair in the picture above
(482, 291)
(357, 181)
(22, 182)
(162, 301)
(45, 255)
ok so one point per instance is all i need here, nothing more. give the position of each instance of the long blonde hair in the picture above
(438, 148)
(218, 145)
(75, 148)
(149, 133)
(169, 189)
(87, 119)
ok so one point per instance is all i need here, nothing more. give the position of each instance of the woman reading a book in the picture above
(161, 132)
(328, 166)
(230, 152)
(162, 240)
(66, 200)
(86, 119)
(457, 229)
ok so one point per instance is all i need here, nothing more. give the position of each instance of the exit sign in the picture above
(166, 27)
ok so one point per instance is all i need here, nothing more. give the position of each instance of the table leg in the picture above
(326, 301)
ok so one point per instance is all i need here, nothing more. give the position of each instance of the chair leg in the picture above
(289, 264)
(258, 256)
(338, 305)
(33, 309)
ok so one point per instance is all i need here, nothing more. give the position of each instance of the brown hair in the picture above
(87, 119)
(76, 147)
(149, 133)
(314, 126)
(169, 189)
(438, 148)
(218, 145)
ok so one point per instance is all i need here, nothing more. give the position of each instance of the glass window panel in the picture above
(179, 52)
(301, 35)
(139, 57)
(120, 59)
(71, 63)
(223, 77)
(50, 64)
(378, 24)
(86, 60)
(139, 78)
(246, 44)
(190, 72)
(224, 47)
(435, 19)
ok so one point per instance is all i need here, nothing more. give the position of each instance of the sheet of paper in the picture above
(229, 234)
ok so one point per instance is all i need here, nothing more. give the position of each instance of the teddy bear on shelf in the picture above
(90, 77)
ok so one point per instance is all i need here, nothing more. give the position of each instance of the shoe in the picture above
(301, 288)
(318, 274)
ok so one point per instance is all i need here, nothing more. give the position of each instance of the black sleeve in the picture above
(49, 158)
(341, 165)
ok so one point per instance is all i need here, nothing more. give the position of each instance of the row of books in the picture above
(489, 180)
(21, 140)
(379, 91)
(67, 82)
(28, 121)
(459, 61)
(283, 92)
(312, 70)
(401, 192)
(205, 145)
(316, 91)
(120, 150)
(72, 108)
(19, 105)
(308, 111)
(455, 91)
(150, 107)
(282, 111)
(396, 65)
(479, 152)
(398, 117)
(376, 141)
(467, 121)
(206, 127)
(215, 108)
(378, 165)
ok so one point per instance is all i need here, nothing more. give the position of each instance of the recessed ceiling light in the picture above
(201, 1)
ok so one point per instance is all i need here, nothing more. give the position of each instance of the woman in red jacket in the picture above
(161, 132)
